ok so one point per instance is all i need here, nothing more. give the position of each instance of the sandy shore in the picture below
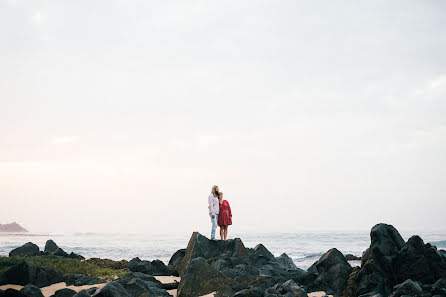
(50, 290)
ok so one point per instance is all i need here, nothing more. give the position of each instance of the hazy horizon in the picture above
(328, 115)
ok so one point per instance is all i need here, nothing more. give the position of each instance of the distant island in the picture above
(12, 227)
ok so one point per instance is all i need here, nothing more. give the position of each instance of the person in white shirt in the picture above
(214, 209)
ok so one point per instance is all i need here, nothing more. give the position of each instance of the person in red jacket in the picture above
(224, 217)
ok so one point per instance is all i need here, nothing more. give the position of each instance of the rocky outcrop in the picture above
(201, 247)
(286, 262)
(12, 227)
(65, 292)
(28, 249)
(31, 291)
(107, 263)
(175, 260)
(200, 278)
(332, 271)
(12, 293)
(82, 280)
(52, 249)
(288, 288)
(28, 273)
(140, 284)
(408, 288)
(155, 267)
(112, 289)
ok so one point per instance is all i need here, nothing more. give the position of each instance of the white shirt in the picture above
(213, 206)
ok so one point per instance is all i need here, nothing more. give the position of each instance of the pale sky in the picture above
(119, 116)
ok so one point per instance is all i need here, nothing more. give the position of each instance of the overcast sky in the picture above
(119, 116)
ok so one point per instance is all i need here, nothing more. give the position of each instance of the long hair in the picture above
(214, 191)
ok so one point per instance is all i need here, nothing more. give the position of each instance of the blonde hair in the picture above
(214, 191)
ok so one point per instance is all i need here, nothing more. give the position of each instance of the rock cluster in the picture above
(51, 249)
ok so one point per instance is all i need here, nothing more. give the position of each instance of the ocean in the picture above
(304, 248)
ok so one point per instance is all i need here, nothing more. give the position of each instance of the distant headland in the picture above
(12, 227)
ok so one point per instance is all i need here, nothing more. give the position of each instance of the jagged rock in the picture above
(371, 294)
(152, 281)
(333, 271)
(73, 255)
(177, 257)
(50, 247)
(65, 292)
(201, 247)
(31, 291)
(28, 273)
(12, 293)
(439, 287)
(419, 262)
(409, 287)
(376, 274)
(112, 289)
(82, 280)
(107, 263)
(132, 263)
(140, 284)
(92, 290)
(28, 249)
(288, 288)
(286, 262)
(350, 286)
(200, 278)
(155, 267)
(350, 257)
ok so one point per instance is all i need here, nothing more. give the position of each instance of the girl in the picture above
(224, 217)
(213, 209)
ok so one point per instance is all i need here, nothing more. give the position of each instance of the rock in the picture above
(291, 287)
(28, 273)
(31, 291)
(73, 255)
(439, 287)
(350, 286)
(91, 290)
(155, 267)
(286, 262)
(82, 280)
(112, 289)
(28, 249)
(65, 292)
(50, 247)
(175, 260)
(419, 262)
(137, 284)
(82, 293)
(376, 274)
(260, 249)
(12, 293)
(200, 278)
(201, 247)
(333, 271)
(132, 263)
(371, 294)
(409, 287)
(350, 257)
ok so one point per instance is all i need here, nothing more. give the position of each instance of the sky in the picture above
(118, 116)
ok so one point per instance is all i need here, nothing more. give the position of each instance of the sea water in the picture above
(304, 248)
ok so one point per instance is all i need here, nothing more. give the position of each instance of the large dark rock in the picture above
(289, 288)
(409, 288)
(82, 280)
(149, 279)
(73, 255)
(333, 271)
(28, 273)
(82, 293)
(31, 291)
(377, 270)
(200, 278)
(177, 257)
(12, 293)
(112, 289)
(201, 247)
(155, 267)
(286, 262)
(65, 292)
(50, 247)
(28, 249)
(419, 262)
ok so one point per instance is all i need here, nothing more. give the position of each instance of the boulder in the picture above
(107, 263)
(333, 271)
(31, 291)
(65, 292)
(138, 287)
(200, 278)
(350, 286)
(289, 288)
(92, 290)
(350, 257)
(409, 287)
(29, 273)
(73, 255)
(286, 262)
(12, 293)
(377, 263)
(50, 247)
(175, 260)
(419, 262)
(112, 289)
(132, 263)
(439, 287)
(149, 279)
(82, 280)
(28, 249)
(155, 267)
(371, 294)
(201, 247)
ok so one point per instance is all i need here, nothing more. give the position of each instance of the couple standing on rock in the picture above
(220, 213)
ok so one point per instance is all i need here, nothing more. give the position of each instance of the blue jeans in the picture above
(214, 225)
